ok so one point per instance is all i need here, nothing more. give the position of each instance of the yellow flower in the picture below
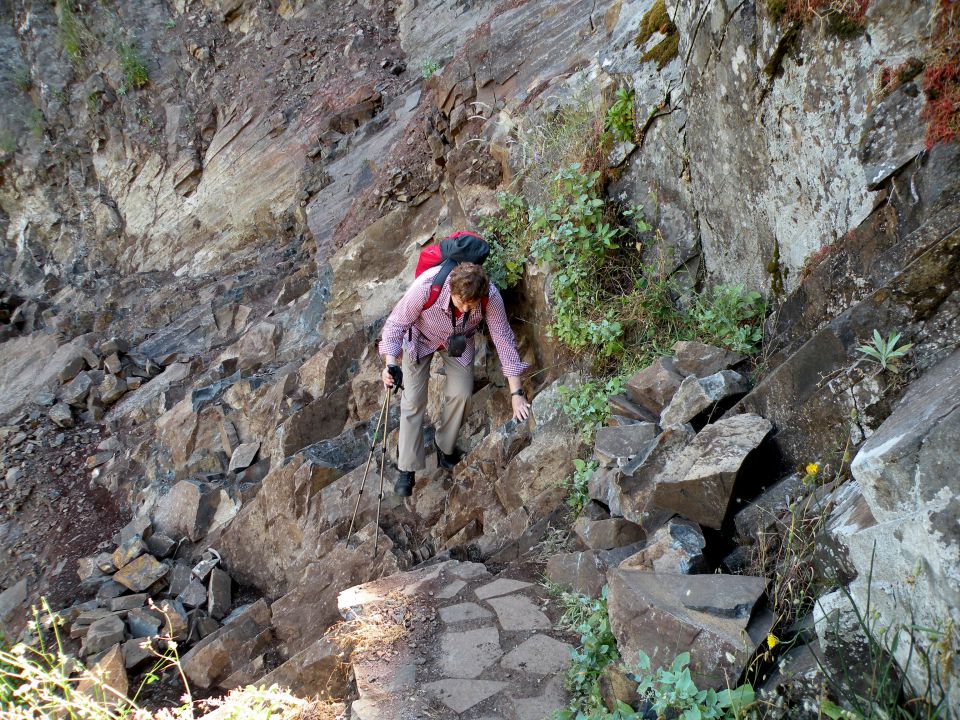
(813, 468)
(772, 641)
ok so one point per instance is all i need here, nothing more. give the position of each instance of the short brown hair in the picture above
(469, 281)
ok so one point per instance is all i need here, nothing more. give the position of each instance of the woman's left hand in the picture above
(521, 408)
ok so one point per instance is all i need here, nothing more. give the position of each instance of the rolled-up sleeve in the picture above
(404, 315)
(502, 336)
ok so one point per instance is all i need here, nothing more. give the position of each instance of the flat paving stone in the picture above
(540, 655)
(461, 695)
(451, 590)
(518, 612)
(503, 586)
(467, 654)
(543, 706)
(463, 612)
(470, 571)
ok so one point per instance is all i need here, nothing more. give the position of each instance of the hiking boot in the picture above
(447, 462)
(404, 484)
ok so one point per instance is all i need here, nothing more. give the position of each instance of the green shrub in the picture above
(8, 142)
(620, 116)
(586, 405)
(508, 235)
(22, 79)
(729, 317)
(73, 33)
(574, 238)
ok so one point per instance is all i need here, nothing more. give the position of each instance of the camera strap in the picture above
(453, 320)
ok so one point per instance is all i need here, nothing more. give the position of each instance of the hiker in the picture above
(438, 313)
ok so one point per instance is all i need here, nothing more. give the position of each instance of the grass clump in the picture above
(8, 142)
(73, 33)
(429, 68)
(22, 79)
(132, 65)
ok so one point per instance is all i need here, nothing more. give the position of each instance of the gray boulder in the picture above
(908, 474)
(608, 533)
(676, 548)
(697, 396)
(75, 392)
(699, 482)
(615, 446)
(61, 415)
(586, 572)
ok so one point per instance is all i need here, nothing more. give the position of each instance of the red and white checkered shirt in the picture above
(430, 328)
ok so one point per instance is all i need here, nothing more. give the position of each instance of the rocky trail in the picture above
(476, 645)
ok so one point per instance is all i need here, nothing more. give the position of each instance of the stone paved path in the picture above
(483, 648)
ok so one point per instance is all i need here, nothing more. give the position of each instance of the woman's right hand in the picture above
(386, 378)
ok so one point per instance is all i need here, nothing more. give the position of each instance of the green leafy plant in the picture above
(135, 73)
(429, 68)
(508, 235)
(885, 352)
(621, 121)
(729, 316)
(578, 494)
(598, 648)
(672, 693)
(574, 237)
(586, 405)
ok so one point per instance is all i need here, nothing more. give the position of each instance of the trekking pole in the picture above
(381, 421)
(383, 464)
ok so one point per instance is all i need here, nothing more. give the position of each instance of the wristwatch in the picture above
(520, 392)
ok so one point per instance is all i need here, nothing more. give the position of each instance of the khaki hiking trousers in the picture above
(457, 391)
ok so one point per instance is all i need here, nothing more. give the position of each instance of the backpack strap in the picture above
(436, 285)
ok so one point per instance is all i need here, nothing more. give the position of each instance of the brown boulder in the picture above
(654, 386)
(187, 510)
(699, 482)
(225, 651)
(710, 616)
(691, 357)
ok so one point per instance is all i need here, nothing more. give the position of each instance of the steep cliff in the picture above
(210, 207)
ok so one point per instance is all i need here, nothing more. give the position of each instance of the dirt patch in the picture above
(49, 515)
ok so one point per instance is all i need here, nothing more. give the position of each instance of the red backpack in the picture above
(450, 252)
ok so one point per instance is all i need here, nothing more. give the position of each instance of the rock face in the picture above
(708, 614)
(907, 474)
(699, 482)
